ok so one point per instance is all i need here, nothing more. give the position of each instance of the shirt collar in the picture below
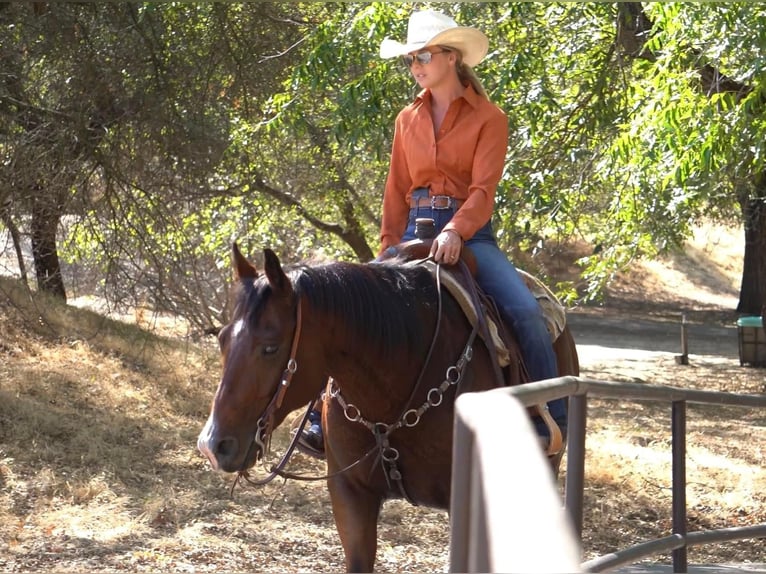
(469, 95)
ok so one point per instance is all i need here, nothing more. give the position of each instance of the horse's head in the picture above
(257, 348)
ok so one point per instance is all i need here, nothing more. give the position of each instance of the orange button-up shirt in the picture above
(464, 160)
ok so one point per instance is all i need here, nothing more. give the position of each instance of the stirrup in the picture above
(311, 440)
(554, 442)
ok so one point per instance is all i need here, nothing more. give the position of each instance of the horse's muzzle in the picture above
(226, 453)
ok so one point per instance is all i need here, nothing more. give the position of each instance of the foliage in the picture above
(162, 132)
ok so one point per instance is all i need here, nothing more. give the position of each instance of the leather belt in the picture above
(437, 202)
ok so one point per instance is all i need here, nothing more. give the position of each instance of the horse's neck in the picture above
(363, 376)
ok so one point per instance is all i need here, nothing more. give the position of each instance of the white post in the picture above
(506, 504)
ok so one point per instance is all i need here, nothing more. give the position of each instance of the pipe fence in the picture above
(474, 539)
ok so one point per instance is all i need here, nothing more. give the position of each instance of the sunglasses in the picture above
(422, 58)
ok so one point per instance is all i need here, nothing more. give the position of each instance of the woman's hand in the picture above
(446, 247)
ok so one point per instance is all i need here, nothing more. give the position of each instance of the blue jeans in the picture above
(498, 277)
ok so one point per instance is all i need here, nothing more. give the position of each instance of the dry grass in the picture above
(99, 470)
(628, 477)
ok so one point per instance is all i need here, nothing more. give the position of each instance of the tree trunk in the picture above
(752, 293)
(352, 233)
(7, 220)
(45, 221)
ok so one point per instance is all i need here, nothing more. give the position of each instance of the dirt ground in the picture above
(99, 471)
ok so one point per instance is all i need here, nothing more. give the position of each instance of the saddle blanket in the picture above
(553, 311)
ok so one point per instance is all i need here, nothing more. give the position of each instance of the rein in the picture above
(410, 417)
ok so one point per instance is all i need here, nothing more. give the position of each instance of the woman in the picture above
(447, 158)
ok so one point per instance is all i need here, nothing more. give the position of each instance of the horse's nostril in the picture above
(226, 447)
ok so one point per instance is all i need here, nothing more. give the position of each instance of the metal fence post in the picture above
(575, 480)
(678, 424)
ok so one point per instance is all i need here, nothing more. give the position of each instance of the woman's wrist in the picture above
(455, 232)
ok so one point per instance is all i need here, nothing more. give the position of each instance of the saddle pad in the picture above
(553, 311)
(464, 300)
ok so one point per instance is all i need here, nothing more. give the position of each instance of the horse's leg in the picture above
(355, 509)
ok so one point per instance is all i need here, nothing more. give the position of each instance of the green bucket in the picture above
(750, 322)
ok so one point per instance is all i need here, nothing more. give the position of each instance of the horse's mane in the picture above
(381, 304)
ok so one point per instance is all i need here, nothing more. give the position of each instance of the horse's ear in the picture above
(273, 268)
(243, 269)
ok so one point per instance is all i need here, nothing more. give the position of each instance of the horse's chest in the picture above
(410, 463)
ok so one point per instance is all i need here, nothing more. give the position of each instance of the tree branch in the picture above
(633, 31)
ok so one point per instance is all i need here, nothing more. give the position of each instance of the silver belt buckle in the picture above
(440, 198)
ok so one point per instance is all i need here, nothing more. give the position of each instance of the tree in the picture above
(711, 126)
(127, 147)
(150, 135)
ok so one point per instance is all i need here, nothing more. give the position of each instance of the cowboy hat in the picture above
(430, 28)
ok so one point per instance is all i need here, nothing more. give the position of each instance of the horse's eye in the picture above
(270, 349)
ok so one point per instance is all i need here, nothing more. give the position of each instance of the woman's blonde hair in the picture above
(465, 73)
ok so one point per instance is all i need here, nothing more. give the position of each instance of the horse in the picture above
(396, 350)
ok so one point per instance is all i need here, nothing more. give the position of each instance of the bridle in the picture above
(264, 424)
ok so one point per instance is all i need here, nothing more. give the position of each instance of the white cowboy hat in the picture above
(430, 28)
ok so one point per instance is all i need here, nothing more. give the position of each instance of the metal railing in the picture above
(578, 390)
(504, 494)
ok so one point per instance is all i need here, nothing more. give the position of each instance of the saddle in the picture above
(480, 309)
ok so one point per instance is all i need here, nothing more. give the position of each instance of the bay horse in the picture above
(396, 349)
